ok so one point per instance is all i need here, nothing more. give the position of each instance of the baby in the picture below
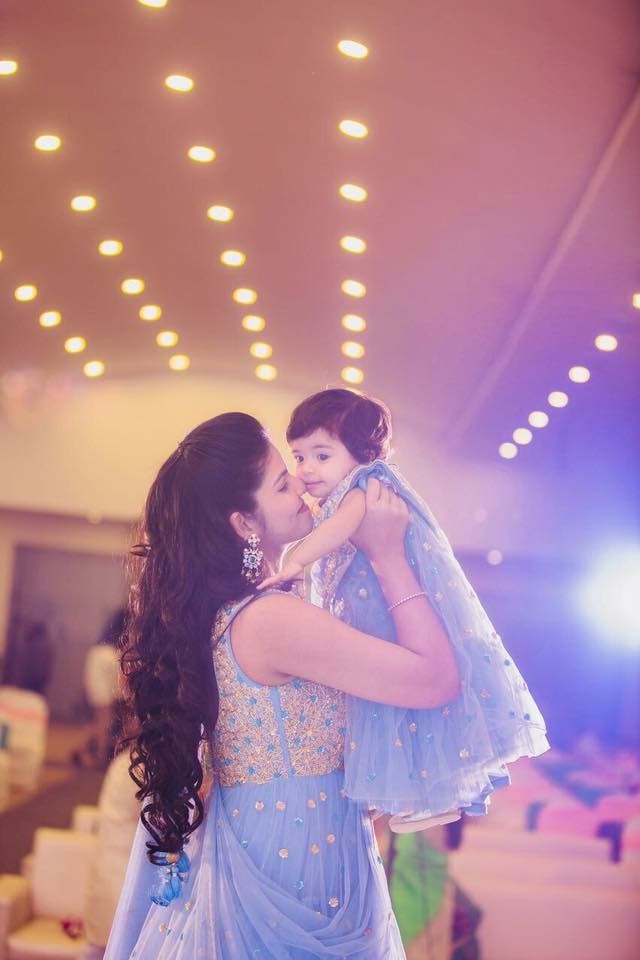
(422, 765)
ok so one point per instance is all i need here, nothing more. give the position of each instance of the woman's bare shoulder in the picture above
(253, 627)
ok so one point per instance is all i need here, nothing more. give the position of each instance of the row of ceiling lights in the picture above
(352, 192)
(522, 436)
(134, 285)
(353, 323)
(51, 142)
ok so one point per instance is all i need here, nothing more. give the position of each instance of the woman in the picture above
(282, 864)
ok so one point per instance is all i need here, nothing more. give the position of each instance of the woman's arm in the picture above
(279, 637)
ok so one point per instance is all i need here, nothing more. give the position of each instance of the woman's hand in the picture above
(381, 532)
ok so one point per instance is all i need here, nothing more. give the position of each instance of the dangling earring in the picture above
(252, 557)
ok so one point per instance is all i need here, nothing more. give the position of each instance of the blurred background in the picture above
(208, 207)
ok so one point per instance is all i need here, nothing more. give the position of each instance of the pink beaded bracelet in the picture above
(411, 596)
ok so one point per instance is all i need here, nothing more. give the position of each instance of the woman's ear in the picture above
(241, 524)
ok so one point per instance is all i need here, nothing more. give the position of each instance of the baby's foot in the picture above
(412, 822)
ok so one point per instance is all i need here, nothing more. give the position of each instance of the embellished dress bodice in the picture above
(268, 733)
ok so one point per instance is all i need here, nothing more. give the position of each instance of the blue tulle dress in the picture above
(437, 760)
(285, 866)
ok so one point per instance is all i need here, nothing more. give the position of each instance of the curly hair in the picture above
(361, 423)
(187, 564)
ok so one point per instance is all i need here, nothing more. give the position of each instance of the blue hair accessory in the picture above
(173, 869)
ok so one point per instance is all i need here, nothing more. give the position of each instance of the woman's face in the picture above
(283, 514)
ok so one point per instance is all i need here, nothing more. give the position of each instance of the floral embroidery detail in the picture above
(247, 743)
(283, 852)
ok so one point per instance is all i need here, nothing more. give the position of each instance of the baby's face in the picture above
(321, 462)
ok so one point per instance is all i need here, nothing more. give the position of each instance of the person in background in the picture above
(102, 689)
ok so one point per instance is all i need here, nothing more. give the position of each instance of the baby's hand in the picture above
(290, 571)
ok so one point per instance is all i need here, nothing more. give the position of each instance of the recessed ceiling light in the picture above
(353, 288)
(579, 374)
(83, 203)
(352, 374)
(253, 323)
(150, 311)
(179, 361)
(94, 368)
(110, 248)
(167, 338)
(508, 451)
(201, 154)
(353, 244)
(354, 323)
(606, 342)
(353, 128)
(260, 350)
(233, 258)
(8, 67)
(558, 398)
(635, 301)
(75, 344)
(244, 295)
(26, 291)
(47, 142)
(50, 318)
(132, 285)
(153, 3)
(220, 213)
(538, 418)
(494, 557)
(351, 191)
(352, 349)
(351, 48)
(522, 435)
(266, 371)
(177, 81)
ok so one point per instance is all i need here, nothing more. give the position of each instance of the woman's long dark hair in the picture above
(188, 563)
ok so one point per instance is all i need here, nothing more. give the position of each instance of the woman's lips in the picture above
(303, 507)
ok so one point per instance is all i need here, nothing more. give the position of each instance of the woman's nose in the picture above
(300, 486)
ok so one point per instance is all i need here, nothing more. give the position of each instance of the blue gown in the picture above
(284, 866)
(429, 760)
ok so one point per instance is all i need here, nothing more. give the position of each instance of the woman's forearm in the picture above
(418, 627)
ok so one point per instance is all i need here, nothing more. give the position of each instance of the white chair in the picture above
(31, 909)
(84, 818)
(27, 715)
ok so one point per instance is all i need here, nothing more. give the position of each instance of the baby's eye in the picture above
(323, 456)
(298, 458)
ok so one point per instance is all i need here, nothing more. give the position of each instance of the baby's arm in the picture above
(334, 531)
(326, 537)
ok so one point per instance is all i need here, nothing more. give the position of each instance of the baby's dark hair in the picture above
(361, 423)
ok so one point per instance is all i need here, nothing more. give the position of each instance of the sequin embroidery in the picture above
(258, 725)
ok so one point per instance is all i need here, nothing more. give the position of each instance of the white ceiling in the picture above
(502, 219)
